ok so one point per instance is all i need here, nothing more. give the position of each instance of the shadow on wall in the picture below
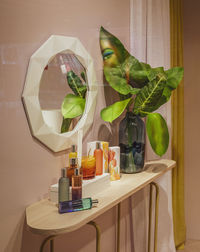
(83, 239)
(111, 96)
(21, 238)
(165, 221)
(15, 242)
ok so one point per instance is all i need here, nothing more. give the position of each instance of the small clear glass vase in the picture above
(132, 143)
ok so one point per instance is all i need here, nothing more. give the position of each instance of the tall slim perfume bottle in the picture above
(73, 153)
(71, 170)
(98, 154)
(76, 185)
(76, 205)
(63, 187)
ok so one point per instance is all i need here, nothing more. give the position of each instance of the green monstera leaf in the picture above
(113, 111)
(157, 132)
(147, 100)
(72, 106)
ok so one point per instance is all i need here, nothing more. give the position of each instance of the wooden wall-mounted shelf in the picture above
(43, 217)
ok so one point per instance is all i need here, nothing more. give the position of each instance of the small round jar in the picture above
(88, 165)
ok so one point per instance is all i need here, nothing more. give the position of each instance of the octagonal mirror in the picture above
(60, 92)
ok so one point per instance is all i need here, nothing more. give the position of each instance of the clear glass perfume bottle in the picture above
(63, 187)
(76, 185)
(76, 205)
(98, 154)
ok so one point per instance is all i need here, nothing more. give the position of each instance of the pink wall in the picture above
(192, 120)
(27, 167)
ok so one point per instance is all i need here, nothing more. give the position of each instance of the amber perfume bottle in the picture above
(71, 170)
(76, 185)
(63, 187)
(98, 154)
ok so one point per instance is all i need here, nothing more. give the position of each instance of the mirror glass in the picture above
(53, 70)
(54, 86)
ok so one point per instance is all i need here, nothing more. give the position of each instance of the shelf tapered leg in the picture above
(49, 238)
(153, 184)
(118, 226)
(98, 234)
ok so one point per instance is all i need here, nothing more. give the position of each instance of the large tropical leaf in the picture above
(116, 78)
(113, 51)
(136, 72)
(72, 106)
(157, 132)
(76, 84)
(147, 100)
(174, 77)
(113, 111)
(154, 72)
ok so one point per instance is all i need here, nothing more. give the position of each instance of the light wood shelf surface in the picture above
(43, 217)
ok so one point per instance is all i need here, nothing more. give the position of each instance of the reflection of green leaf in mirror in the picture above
(66, 124)
(79, 90)
(83, 76)
(113, 111)
(157, 132)
(72, 106)
(76, 84)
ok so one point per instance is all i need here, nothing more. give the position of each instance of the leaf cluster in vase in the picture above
(73, 105)
(141, 88)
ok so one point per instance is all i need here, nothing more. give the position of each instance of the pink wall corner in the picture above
(27, 167)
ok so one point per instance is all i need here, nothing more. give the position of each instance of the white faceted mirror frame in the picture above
(38, 61)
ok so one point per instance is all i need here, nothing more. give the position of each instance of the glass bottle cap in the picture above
(73, 148)
(95, 202)
(73, 161)
(76, 172)
(98, 145)
(63, 172)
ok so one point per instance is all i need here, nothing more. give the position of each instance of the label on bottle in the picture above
(114, 162)
(63, 189)
(91, 146)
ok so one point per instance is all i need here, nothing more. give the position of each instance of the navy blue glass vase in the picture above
(132, 143)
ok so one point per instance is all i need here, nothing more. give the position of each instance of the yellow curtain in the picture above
(176, 33)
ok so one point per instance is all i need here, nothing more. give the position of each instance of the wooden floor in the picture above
(191, 246)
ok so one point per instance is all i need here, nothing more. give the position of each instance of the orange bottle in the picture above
(98, 154)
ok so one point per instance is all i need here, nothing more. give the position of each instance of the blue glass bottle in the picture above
(132, 143)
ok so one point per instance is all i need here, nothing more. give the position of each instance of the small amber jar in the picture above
(88, 165)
